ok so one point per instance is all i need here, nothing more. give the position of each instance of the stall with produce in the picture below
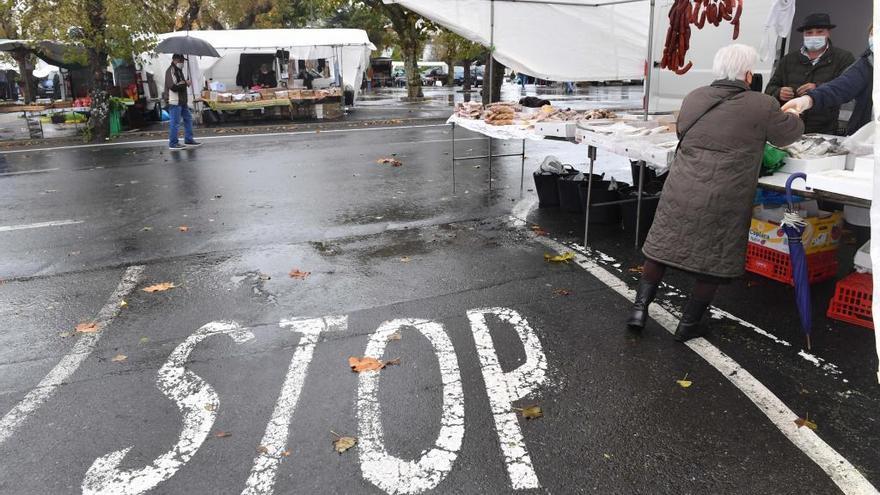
(287, 72)
(682, 37)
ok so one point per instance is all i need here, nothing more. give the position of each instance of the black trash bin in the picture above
(604, 191)
(546, 185)
(628, 212)
(653, 182)
(569, 191)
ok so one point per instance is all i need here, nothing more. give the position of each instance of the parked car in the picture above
(434, 74)
(476, 75)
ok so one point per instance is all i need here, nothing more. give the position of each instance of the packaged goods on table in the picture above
(814, 153)
(469, 110)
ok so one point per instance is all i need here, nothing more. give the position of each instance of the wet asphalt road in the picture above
(380, 243)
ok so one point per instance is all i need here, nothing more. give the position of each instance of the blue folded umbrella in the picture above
(794, 227)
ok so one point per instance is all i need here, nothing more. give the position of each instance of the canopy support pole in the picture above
(649, 62)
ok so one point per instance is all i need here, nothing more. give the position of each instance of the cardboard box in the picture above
(822, 233)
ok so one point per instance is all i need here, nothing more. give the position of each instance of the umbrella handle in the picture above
(791, 178)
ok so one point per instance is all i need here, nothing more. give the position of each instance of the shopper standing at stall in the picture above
(176, 88)
(702, 220)
(816, 63)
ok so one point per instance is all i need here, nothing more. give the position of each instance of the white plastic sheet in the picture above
(579, 41)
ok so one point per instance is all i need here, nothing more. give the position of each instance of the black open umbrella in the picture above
(187, 45)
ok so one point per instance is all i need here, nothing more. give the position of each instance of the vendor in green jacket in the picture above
(816, 63)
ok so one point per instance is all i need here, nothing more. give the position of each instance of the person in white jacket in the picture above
(176, 85)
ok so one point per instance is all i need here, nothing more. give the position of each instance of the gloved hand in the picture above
(798, 105)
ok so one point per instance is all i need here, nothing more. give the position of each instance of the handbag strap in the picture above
(711, 107)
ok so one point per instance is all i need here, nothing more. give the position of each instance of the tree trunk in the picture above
(466, 81)
(411, 62)
(99, 117)
(495, 83)
(450, 76)
(27, 76)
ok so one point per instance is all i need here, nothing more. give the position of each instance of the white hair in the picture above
(734, 61)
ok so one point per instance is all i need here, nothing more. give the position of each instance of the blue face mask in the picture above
(815, 43)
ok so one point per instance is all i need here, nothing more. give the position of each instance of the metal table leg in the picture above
(591, 153)
(522, 168)
(490, 163)
(452, 158)
(639, 201)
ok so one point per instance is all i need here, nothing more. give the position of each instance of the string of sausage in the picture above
(697, 12)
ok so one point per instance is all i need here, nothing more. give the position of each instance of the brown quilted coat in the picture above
(702, 220)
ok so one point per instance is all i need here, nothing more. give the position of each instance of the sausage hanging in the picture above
(685, 13)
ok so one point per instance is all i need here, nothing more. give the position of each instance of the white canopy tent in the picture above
(580, 40)
(565, 40)
(347, 49)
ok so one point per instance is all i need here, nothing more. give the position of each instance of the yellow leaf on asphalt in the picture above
(684, 382)
(342, 444)
(183, 228)
(123, 304)
(160, 287)
(286, 453)
(144, 340)
(532, 412)
(222, 434)
(801, 422)
(119, 358)
(559, 258)
(89, 327)
(296, 273)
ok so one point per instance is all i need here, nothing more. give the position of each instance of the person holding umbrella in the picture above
(176, 88)
(702, 221)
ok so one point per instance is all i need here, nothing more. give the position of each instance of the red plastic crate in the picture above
(852, 300)
(777, 265)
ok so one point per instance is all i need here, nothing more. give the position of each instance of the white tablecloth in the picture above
(518, 132)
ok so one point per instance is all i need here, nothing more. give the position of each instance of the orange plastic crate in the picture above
(777, 265)
(852, 300)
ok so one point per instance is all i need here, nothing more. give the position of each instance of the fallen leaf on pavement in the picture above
(532, 412)
(90, 327)
(210, 407)
(183, 228)
(341, 444)
(394, 336)
(364, 364)
(146, 229)
(394, 162)
(123, 304)
(636, 269)
(160, 287)
(65, 334)
(144, 340)
(286, 453)
(405, 259)
(684, 382)
(559, 258)
(262, 449)
(801, 422)
(538, 230)
(561, 292)
(119, 358)
(296, 273)
(222, 434)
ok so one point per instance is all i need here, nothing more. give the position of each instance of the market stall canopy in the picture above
(567, 40)
(350, 48)
(52, 52)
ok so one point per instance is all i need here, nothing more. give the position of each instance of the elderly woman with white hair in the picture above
(702, 220)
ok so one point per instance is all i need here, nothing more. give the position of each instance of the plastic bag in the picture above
(773, 158)
(862, 142)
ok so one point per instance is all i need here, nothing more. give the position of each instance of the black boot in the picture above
(644, 296)
(689, 325)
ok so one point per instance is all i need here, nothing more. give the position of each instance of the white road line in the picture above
(225, 136)
(23, 172)
(265, 469)
(383, 469)
(506, 387)
(842, 472)
(72, 361)
(54, 223)
(198, 403)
